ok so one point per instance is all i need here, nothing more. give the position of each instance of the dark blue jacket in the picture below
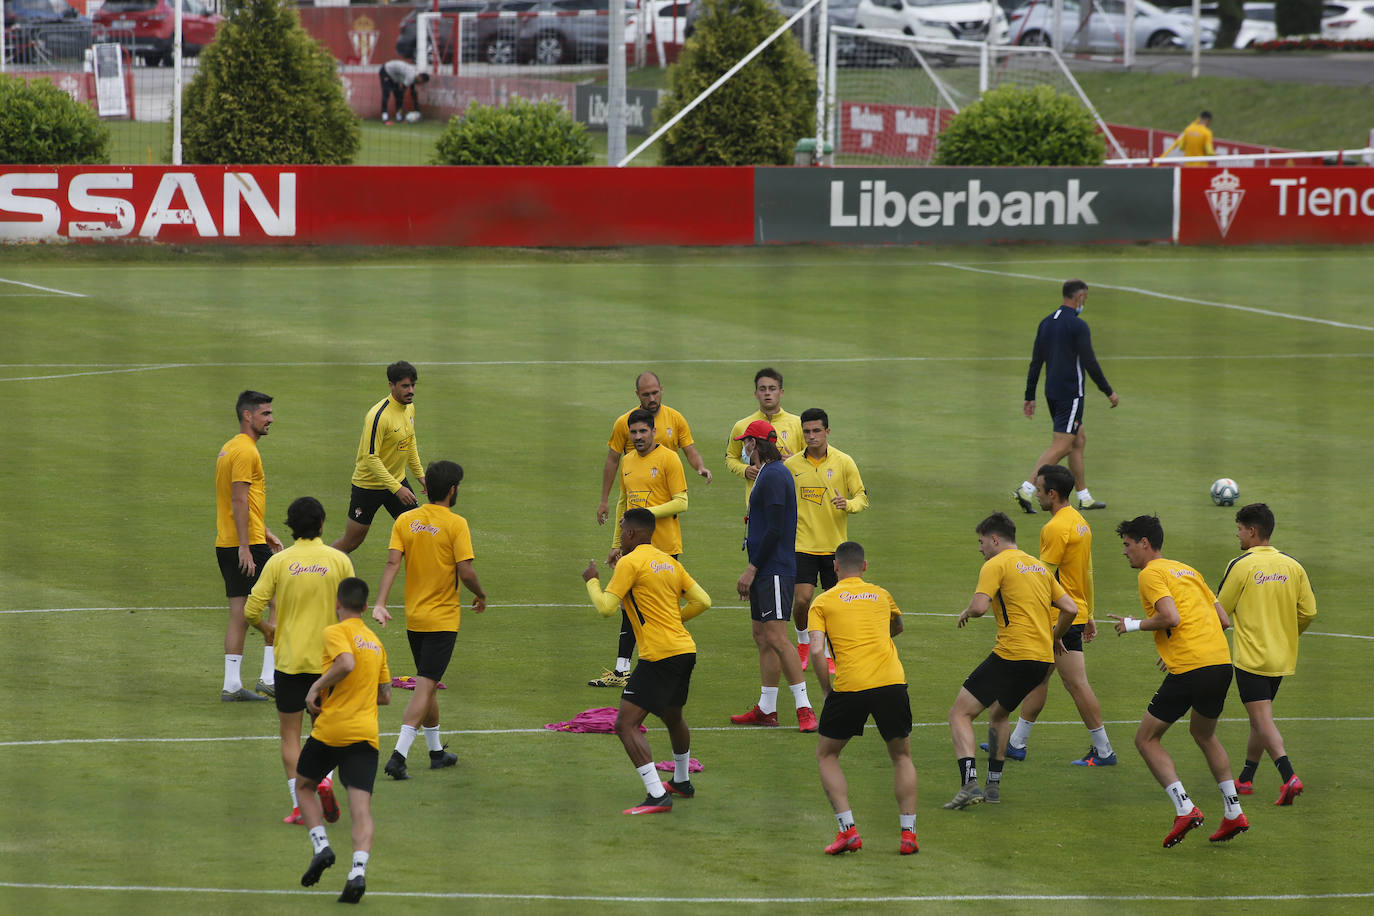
(773, 522)
(1064, 347)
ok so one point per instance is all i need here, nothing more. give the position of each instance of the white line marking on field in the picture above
(1158, 295)
(40, 378)
(45, 289)
(619, 898)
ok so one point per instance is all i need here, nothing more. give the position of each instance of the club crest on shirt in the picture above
(653, 472)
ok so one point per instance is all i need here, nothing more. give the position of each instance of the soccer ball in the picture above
(1225, 492)
(412, 116)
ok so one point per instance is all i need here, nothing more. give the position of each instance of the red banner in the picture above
(1144, 142)
(1267, 206)
(356, 34)
(577, 207)
(886, 131)
(444, 96)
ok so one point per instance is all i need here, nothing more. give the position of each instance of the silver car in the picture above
(1105, 28)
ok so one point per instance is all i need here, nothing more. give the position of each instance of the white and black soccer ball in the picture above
(412, 117)
(1225, 491)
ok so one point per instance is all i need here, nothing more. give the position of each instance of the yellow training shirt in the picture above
(1270, 601)
(348, 713)
(304, 578)
(790, 439)
(650, 585)
(1196, 140)
(1023, 594)
(652, 480)
(240, 462)
(670, 430)
(387, 447)
(1066, 543)
(1198, 640)
(820, 526)
(434, 540)
(857, 619)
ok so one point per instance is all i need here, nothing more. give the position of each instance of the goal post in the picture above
(437, 34)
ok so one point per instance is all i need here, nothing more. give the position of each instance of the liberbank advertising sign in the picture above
(940, 205)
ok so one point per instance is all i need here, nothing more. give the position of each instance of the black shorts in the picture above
(845, 713)
(363, 503)
(1254, 687)
(357, 763)
(812, 568)
(662, 684)
(1204, 689)
(998, 680)
(1073, 640)
(770, 597)
(1067, 415)
(236, 584)
(431, 652)
(291, 690)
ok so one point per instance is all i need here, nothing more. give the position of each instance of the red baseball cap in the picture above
(759, 429)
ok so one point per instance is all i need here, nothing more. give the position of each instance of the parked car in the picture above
(1031, 24)
(969, 20)
(37, 31)
(544, 32)
(406, 42)
(148, 27)
(669, 19)
(1346, 21)
(839, 12)
(1257, 26)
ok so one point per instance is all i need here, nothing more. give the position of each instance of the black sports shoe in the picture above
(442, 758)
(322, 860)
(353, 890)
(684, 788)
(396, 766)
(1026, 505)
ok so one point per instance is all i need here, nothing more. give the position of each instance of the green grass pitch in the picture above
(129, 787)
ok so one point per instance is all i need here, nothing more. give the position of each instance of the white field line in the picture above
(620, 898)
(44, 289)
(1158, 295)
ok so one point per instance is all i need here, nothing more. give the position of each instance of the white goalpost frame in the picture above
(176, 86)
(822, 71)
(2, 36)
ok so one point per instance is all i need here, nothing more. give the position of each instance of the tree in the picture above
(1015, 126)
(42, 125)
(758, 116)
(1231, 16)
(266, 92)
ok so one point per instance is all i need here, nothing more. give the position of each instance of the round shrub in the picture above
(1015, 126)
(520, 133)
(42, 125)
(758, 116)
(267, 93)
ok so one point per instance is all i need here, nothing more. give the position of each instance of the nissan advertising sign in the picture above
(900, 206)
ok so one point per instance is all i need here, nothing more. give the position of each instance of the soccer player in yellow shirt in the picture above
(1270, 602)
(670, 429)
(243, 542)
(436, 546)
(304, 581)
(1196, 140)
(386, 450)
(1066, 547)
(829, 490)
(859, 620)
(653, 586)
(344, 702)
(1187, 623)
(651, 477)
(768, 392)
(1028, 638)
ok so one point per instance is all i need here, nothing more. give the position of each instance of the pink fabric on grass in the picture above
(408, 683)
(693, 766)
(600, 721)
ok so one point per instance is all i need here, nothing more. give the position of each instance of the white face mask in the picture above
(745, 455)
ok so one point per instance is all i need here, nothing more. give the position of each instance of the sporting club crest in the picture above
(1223, 198)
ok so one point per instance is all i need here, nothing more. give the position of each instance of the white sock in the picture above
(652, 782)
(1230, 798)
(405, 739)
(1027, 489)
(768, 700)
(269, 665)
(291, 784)
(1100, 742)
(432, 738)
(908, 821)
(1086, 497)
(1182, 803)
(1021, 733)
(845, 819)
(359, 865)
(318, 838)
(799, 694)
(233, 680)
(803, 636)
(622, 665)
(681, 767)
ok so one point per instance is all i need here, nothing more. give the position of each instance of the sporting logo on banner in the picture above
(1332, 205)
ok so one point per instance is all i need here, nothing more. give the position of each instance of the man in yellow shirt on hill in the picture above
(1187, 623)
(1196, 140)
(1270, 601)
(859, 619)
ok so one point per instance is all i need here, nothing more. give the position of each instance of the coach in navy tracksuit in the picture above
(1064, 347)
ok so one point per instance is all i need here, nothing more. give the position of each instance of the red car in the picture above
(147, 27)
